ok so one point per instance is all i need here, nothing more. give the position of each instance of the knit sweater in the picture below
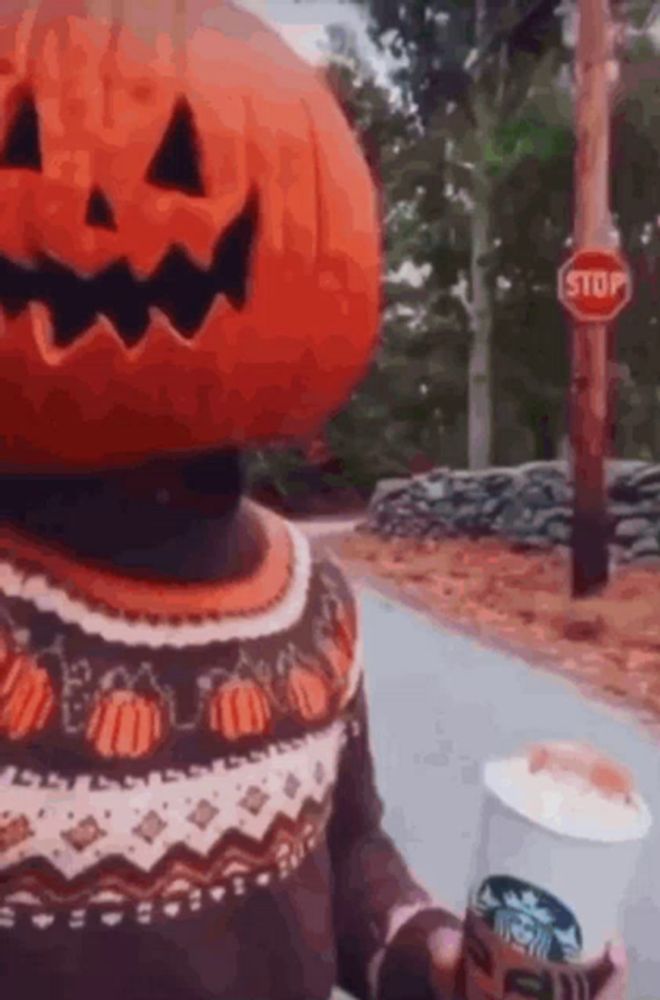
(187, 799)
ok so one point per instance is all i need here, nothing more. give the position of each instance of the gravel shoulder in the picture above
(518, 603)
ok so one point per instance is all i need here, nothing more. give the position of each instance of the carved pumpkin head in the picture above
(189, 256)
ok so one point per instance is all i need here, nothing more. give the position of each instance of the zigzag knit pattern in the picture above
(163, 747)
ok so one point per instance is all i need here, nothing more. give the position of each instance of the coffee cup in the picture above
(562, 828)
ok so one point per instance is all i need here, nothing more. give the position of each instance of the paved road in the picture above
(440, 705)
(318, 528)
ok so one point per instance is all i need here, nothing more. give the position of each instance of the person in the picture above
(242, 854)
(188, 807)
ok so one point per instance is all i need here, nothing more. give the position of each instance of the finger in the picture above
(616, 987)
(446, 948)
(618, 955)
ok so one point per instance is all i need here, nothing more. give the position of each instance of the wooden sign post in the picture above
(594, 284)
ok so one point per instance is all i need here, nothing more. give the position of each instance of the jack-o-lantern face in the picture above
(189, 255)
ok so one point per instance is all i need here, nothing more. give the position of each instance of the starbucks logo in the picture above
(528, 918)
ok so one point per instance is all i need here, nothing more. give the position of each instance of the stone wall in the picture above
(529, 506)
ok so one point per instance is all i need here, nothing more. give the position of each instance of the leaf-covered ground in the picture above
(610, 642)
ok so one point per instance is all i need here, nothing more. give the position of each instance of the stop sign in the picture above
(595, 285)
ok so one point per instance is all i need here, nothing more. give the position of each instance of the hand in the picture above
(446, 946)
(616, 987)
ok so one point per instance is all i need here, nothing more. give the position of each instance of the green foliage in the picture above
(527, 138)
(421, 139)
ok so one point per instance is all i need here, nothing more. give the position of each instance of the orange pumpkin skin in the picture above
(266, 150)
(308, 694)
(26, 698)
(125, 724)
(238, 709)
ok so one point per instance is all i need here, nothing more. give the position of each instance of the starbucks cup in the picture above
(561, 832)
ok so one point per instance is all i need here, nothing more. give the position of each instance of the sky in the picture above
(303, 24)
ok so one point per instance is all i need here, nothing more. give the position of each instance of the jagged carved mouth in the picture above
(179, 287)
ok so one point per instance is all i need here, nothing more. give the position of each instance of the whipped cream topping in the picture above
(567, 803)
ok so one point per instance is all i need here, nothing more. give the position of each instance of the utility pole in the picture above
(589, 384)
(616, 34)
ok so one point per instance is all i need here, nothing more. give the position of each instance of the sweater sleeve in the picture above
(383, 918)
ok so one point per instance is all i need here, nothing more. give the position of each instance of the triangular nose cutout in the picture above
(22, 147)
(176, 164)
(99, 211)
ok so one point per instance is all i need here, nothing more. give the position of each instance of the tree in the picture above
(464, 68)
(635, 196)
(489, 88)
(387, 419)
(415, 396)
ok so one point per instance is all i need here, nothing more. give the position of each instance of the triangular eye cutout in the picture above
(176, 164)
(99, 211)
(22, 147)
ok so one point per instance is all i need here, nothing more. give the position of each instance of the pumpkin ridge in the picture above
(225, 714)
(115, 732)
(254, 721)
(21, 712)
(262, 709)
(135, 742)
(11, 677)
(317, 181)
(35, 708)
(233, 712)
(158, 724)
(94, 724)
(45, 706)
(18, 702)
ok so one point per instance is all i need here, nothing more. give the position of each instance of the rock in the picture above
(437, 489)
(623, 511)
(493, 506)
(388, 488)
(647, 479)
(631, 528)
(442, 471)
(529, 506)
(647, 545)
(558, 529)
(650, 561)
(618, 555)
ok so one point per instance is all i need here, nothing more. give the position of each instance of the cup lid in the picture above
(573, 790)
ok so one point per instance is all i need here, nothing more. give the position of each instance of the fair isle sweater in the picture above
(187, 798)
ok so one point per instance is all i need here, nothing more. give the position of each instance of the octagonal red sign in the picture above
(595, 285)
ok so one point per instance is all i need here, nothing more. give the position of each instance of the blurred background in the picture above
(464, 109)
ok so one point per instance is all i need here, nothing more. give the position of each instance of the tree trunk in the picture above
(480, 406)
(655, 424)
(480, 403)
